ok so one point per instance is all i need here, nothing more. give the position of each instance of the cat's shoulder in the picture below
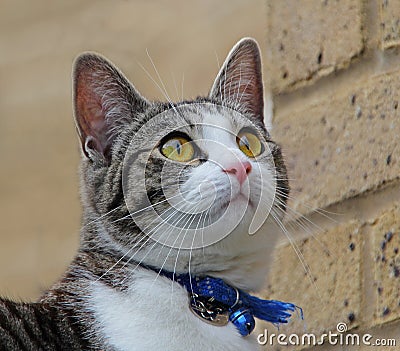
(35, 326)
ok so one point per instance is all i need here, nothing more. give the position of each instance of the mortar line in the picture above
(364, 208)
(373, 63)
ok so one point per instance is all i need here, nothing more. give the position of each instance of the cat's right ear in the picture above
(104, 101)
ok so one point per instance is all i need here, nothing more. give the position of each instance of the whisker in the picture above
(102, 216)
(216, 56)
(182, 214)
(299, 217)
(158, 75)
(301, 221)
(297, 250)
(319, 211)
(191, 248)
(158, 86)
(156, 241)
(179, 250)
(202, 231)
(183, 81)
(176, 87)
(128, 252)
(299, 254)
(150, 206)
(140, 262)
(162, 83)
(119, 260)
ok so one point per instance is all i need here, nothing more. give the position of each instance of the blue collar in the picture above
(212, 297)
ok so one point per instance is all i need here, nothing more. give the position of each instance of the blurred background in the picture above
(39, 190)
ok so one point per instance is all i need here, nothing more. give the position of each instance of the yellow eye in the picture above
(249, 144)
(178, 149)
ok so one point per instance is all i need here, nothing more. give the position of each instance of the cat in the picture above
(188, 189)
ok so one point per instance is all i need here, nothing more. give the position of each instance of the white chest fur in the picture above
(154, 315)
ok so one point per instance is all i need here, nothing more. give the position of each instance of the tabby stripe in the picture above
(42, 324)
(24, 315)
(12, 324)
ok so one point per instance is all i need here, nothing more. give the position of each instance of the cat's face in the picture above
(180, 185)
(210, 163)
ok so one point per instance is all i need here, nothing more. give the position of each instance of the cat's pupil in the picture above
(245, 142)
(178, 147)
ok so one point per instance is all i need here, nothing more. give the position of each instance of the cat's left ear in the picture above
(239, 82)
(104, 102)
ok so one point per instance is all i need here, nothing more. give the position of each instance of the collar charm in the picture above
(218, 314)
(209, 310)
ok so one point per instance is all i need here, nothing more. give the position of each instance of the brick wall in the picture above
(335, 76)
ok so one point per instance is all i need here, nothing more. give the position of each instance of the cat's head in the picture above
(176, 185)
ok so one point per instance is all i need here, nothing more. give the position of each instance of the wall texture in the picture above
(335, 74)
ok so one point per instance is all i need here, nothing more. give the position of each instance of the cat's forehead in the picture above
(207, 121)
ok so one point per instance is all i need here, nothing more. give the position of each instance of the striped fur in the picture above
(37, 327)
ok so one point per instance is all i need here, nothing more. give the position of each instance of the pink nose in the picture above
(240, 170)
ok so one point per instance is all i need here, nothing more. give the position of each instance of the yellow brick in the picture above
(310, 39)
(333, 293)
(390, 23)
(386, 243)
(343, 145)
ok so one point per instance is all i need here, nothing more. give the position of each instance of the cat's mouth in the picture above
(239, 198)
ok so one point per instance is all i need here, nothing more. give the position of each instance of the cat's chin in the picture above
(239, 258)
(235, 206)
